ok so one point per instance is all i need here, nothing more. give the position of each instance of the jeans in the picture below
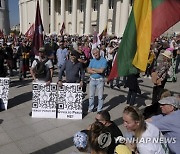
(22, 73)
(96, 84)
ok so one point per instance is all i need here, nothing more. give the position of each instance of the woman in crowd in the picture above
(98, 142)
(143, 133)
(160, 75)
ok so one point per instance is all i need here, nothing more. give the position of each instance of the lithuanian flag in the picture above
(148, 20)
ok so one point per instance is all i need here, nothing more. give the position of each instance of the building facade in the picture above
(4, 17)
(80, 16)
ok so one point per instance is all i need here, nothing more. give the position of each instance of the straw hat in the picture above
(167, 53)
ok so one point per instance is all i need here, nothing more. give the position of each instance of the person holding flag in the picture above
(62, 29)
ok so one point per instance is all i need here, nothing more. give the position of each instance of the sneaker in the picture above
(145, 76)
(149, 77)
(90, 110)
(118, 86)
(111, 86)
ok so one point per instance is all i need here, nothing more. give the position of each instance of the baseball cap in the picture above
(170, 101)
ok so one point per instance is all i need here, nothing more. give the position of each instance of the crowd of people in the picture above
(75, 56)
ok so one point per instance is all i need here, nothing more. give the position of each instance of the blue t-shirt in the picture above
(98, 63)
(61, 56)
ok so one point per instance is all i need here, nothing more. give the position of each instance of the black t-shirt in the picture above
(2, 68)
(83, 57)
(115, 132)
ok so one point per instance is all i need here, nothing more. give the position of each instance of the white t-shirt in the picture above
(150, 147)
(48, 63)
(172, 44)
(108, 55)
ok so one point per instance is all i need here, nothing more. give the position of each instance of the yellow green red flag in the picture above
(147, 21)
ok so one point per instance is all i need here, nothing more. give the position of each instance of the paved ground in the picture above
(22, 134)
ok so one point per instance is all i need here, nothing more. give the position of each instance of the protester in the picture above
(97, 142)
(96, 69)
(23, 55)
(87, 51)
(177, 60)
(62, 55)
(3, 57)
(160, 74)
(42, 68)
(154, 109)
(111, 55)
(143, 133)
(105, 118)
(73, 69)
(82, 57)
(133, 85)
(165, 121)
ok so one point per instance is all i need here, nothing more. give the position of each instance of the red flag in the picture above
(38, 33)
(62, 28)
(30, 32)
(104, 33)
(95, 39)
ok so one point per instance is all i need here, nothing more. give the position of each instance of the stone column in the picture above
(20, 17)
(26, 18)
(52, 16)
(124, 16)
(88, 17)
(74, 17)
(104, 15)
(62, 11)
(118, 14)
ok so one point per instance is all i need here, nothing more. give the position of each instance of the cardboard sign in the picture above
(44, 100)
(69, 105)
(4, 92)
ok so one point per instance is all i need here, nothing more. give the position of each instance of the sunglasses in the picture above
(98, 120)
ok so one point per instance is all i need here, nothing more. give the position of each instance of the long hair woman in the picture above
(147, 138)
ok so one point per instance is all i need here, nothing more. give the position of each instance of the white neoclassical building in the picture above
(4, 16)
(80, 16)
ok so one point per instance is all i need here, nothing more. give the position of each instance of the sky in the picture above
(14, 12)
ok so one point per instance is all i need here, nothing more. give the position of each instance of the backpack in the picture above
(41, 70)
